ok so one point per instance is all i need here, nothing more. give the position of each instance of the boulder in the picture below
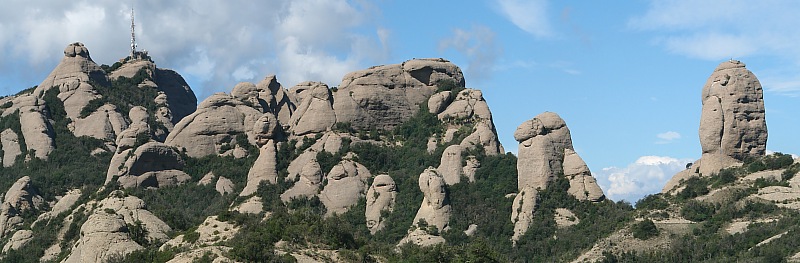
(19, 239)
(20, 198)
(314, 112)
(471, 167)
(9, 141)
(383, 97)
(207, 179)
(469, 107)
(450, 166)
(347, 183)
(380, 197)
(224, 186)
(264, 169)
(252, 205)
(582, 185)
(309, 183)
(103, 236)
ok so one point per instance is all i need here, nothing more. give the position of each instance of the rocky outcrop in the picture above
(134, 211)
(9, 141)
(20, 198)
(541, 149)
(467, 107)
(380, 197)
(212, 128)
(732, 122)
(433, 216)
(76, 68)
(450, 164)
(582, 185)
(347, 183)
(153, 164)
(276, 99)
(546, 151)
(385, 96)
(263, 170)
(224, 186)
(314, 112)
(309, 180)
(105, 123)
(522, 210)
(36, 128)
(104, 235)
(19, 239)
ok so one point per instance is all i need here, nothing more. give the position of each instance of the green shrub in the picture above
(652, 202)
(644, 230)
(697, 211)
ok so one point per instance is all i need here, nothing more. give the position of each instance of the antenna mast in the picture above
(133, 36)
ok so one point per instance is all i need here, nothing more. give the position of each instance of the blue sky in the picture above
(625, 75)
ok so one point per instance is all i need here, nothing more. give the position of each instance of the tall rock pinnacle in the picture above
(732, 123)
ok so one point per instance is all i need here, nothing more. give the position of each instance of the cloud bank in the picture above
(647, 175)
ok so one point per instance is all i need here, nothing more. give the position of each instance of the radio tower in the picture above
(133, 37)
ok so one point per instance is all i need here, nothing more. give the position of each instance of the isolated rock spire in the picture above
(732, 123)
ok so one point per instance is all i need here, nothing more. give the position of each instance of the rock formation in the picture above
(380, 197)
(385, 96)
(433, 215)
(153, 164)
(450, 166)
(545, 152)
(263, 169)
(36, 128)
(9, 141)
(732, 123)
(212, 128)
(103, 236)
(314, 111)
(21, 197)
(347, 183)
(582, 185)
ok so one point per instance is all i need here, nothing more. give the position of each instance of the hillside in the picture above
(398, 163)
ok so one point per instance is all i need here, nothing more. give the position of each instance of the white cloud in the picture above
(645, 176)
(667, 137)
(721, 29)
(530, 16)
(216, 43)
(478, 46)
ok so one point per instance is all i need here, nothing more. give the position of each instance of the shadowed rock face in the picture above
(732, 122)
